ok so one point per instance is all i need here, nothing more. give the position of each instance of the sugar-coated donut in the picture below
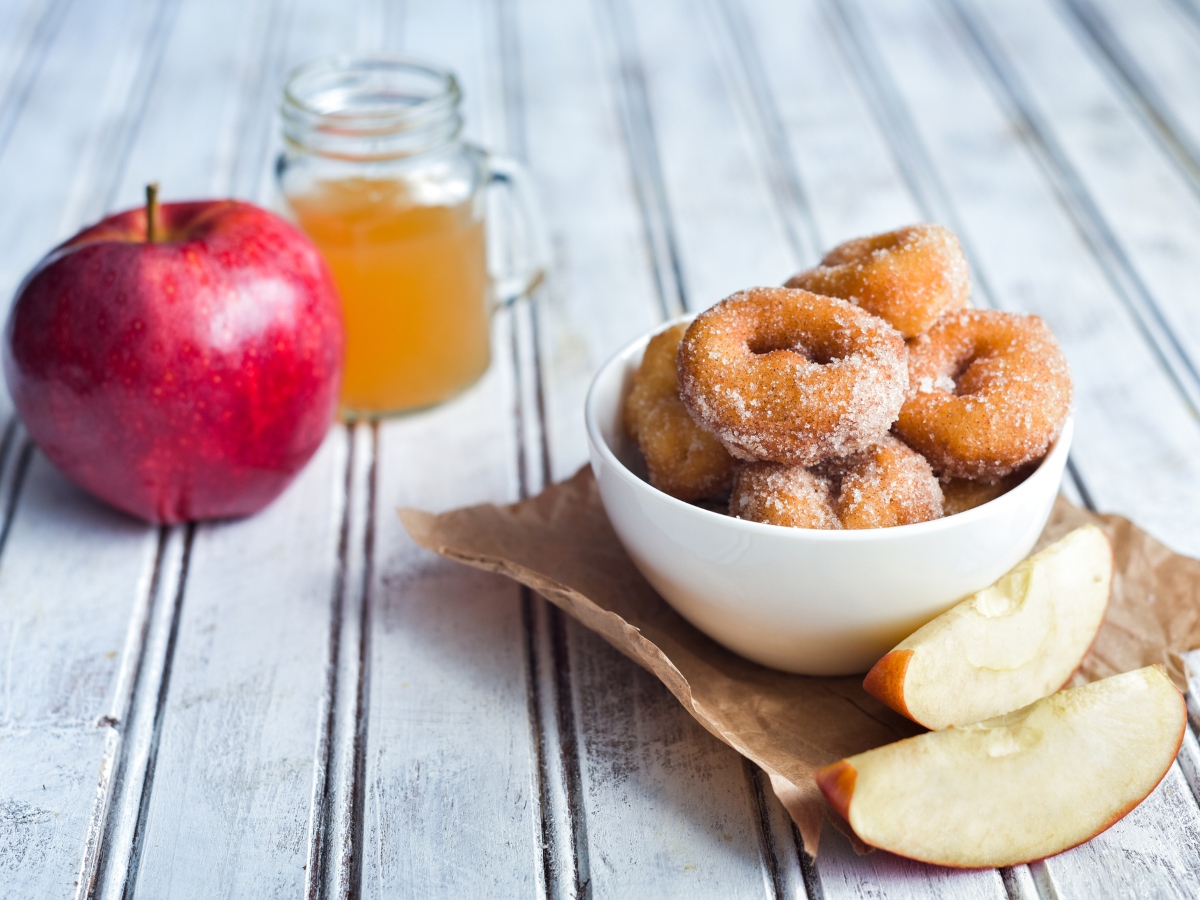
(886, 485)
(792, 377)
(683, 459)
(783, 495)
(908, 277)
(988, 393)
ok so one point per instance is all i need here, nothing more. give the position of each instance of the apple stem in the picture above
(152, 213)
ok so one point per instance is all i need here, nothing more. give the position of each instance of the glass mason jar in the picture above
(375, 171)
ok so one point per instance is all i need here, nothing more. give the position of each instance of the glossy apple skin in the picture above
(187, 379)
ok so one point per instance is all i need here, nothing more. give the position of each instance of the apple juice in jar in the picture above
(376, 173)
(414, 289)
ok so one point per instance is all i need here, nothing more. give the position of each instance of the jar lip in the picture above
(447, 97)
(351, 97)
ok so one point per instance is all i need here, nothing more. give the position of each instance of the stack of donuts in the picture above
(863, 394)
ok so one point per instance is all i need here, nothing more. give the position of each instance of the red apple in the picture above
(189, 376)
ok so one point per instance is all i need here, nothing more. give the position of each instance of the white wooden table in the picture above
(302, 704)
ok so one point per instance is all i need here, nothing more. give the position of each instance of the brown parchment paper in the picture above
(561, 545)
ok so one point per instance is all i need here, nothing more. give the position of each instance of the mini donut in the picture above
(988, 393)
(783, 495)
(792, 377)
(908, 277)
(889, 484)
(886, 485)
(683, 459)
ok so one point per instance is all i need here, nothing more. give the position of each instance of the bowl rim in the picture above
(1059, 449)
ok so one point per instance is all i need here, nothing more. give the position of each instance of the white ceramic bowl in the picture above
(803, 600)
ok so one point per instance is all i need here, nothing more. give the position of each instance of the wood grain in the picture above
(449, 749)
(63, 624)
(845, 874)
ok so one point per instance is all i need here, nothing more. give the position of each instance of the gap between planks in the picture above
(114, 846)
(561, 825)
(335, 851)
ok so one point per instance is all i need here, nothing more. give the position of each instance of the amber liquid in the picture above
(413, 280)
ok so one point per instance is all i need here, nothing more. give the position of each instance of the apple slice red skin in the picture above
(186, 379)
(885, 681)
(837, 781)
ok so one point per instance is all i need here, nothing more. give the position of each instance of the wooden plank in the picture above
(201, 105)
(600, 294)
(449, 705)
(669, 810)
(229, 796)
(1152, 851)
(153, 629)
(816, 124)
(788, 866)
(97, 169)
(27, 30)
(451, 794)
(575, 150)
(64, 620)
(1150, 51)
(1140, 211)
(714, 182)
(881, 874)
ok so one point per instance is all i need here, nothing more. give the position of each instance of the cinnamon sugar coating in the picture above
(777, 494)
(988, 393)
(683, 459)
(909, 276)
(792, 377)
(887, 484)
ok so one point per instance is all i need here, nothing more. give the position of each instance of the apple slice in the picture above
(1007, 645)
(1020, 786)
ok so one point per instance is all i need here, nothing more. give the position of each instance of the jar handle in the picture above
(522, 278)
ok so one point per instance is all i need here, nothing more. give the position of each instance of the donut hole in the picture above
(815, 352)
(761, 345)
(981, 372)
